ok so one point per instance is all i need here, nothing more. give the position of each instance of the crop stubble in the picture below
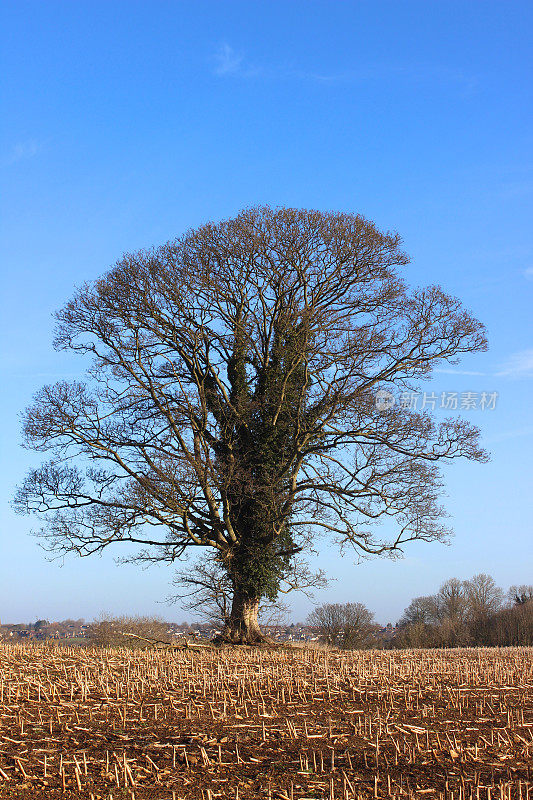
(256, 723)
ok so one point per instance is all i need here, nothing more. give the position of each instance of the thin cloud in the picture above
(227, 61)
(382, 71)
(528, 274)
(22, 151)
(519, 365)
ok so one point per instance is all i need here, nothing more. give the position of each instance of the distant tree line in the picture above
(463, 613)
(43, 629)
(474, 612)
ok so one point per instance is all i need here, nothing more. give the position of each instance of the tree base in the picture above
(242, 626)
(239, 637)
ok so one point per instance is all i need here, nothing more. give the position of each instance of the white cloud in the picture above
(528, 273)
(227, 61)
(519, 365)
(21, 151)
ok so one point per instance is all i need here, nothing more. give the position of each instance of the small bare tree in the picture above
(124, 631)
(348, 626)
(206, 590)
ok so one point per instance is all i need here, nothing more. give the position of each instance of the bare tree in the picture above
(483, 596)
(452, 601)
(520, 595)
(437, 620)
(423, 610)
(417, 626)
(206, 589)
(348, 626)
(241, 398)
(453, 614)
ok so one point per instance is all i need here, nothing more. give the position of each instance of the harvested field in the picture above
(279, 724)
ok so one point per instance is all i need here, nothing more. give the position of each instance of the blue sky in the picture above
(126, 123)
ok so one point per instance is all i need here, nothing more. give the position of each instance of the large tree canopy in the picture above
(230, 404)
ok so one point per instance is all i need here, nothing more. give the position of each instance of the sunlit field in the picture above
(255, 723)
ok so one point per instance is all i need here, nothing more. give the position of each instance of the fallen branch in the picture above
(185, 645)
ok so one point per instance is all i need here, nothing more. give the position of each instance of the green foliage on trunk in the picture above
(257, 453)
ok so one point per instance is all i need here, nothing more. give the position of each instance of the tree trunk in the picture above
(242, 626)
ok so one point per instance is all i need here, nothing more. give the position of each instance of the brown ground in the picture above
(266, 724)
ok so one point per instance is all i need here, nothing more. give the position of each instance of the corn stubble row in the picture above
(244, 723)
